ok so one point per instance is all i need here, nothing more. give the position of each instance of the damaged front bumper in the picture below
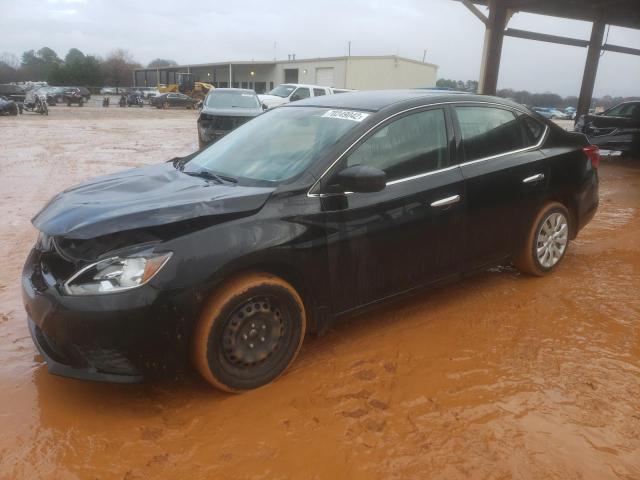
(121, 337)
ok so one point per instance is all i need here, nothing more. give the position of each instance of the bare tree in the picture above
(118, 68)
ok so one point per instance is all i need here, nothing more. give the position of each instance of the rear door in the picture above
(506, 178)
(408, 234)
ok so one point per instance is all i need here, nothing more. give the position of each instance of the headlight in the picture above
(116, 274)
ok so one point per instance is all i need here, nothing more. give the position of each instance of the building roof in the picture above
(284, 61)
(375, 100)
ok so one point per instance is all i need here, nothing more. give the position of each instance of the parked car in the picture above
(86, 94)
(12, 92)
(617, 128)
(553, 113)
(570, 112)
(135, 99)
(108, 91)
(319, 208)
(58, 93)
(167, 100)
(149, 93)
(73, 95)
(292, 92)
(225, 109)
(8, 107)
(545, 112)
(559, 114)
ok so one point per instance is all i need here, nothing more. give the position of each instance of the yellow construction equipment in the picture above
(187, 85)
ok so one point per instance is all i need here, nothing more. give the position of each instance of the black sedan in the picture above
(309, 212)
(168, 100)
(615, 129)
(225, 109)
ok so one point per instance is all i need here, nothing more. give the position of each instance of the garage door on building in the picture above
(324, 76)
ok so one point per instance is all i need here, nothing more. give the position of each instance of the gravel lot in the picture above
(498, 376)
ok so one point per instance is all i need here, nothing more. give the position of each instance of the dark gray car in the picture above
(225, 109)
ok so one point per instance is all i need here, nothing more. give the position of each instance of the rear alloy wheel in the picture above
(249, 332)
(546, 242)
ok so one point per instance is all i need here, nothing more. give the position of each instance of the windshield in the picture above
(218, 99)
(282, 91)
(274, 146)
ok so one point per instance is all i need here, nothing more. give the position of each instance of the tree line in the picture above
(546, 99)
(76, 68)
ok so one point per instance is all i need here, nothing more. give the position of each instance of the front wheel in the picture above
(249, 332)
(546, 242)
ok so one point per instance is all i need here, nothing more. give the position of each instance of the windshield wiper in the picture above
(209, 175)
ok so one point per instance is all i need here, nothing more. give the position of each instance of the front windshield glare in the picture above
(282, 91)
(274, 146)
(232, 100)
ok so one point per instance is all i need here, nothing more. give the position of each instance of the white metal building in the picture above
(359, 73)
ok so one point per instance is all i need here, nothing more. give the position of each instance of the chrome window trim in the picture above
(451, 167)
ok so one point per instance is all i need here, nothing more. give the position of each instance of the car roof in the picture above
(302, 85)
(376, 100)
(239, 90)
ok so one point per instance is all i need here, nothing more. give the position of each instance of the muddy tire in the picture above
(546, 242)
(249, 331)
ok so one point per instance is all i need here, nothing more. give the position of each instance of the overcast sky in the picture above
(212, 31)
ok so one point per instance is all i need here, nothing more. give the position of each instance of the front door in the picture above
(410, 233)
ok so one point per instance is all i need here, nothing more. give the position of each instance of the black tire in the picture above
(527, 260)
(249, 332)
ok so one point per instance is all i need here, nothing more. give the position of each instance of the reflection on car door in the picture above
(408, 234)
(506, 178)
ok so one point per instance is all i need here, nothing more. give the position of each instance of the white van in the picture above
(290, 92)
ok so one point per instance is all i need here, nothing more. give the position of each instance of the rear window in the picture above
(222, 99)
(318, 92)
(488, 131)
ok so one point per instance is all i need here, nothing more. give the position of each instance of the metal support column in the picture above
(590, 68)
(492, 51)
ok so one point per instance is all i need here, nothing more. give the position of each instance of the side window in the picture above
(409, 146)
(616, 111)
(318, 92)
(299, 94)
(533, 129)
(488, 131)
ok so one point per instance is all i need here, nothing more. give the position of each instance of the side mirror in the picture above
(264, 107)
(362, 179)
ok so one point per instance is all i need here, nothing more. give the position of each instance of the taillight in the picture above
(593, 153)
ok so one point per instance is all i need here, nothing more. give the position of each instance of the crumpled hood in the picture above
(142, 197)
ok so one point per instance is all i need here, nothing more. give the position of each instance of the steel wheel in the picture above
(249, 332)
(253, 333)
(552, 239)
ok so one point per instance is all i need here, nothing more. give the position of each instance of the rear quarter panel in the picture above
(572, 179)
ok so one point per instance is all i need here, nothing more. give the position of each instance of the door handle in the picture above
(443, 202)
(534, 178)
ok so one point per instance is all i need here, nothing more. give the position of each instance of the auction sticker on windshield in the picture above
(346, 115)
